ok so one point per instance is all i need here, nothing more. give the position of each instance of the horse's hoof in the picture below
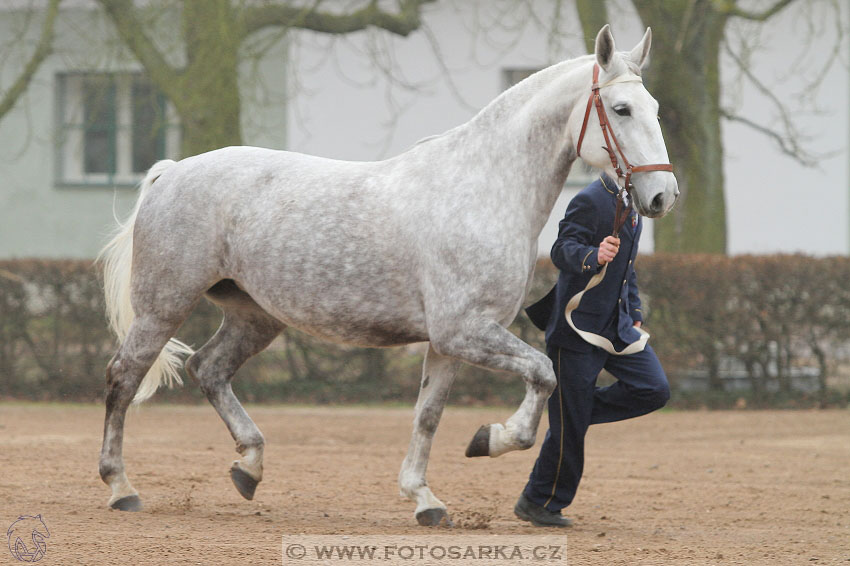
(434, 517)
(480, 443)
(128, 503)
(245, 484)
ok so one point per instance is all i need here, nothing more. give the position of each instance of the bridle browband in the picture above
(595, 99)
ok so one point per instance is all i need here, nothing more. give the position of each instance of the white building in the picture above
(370, 95)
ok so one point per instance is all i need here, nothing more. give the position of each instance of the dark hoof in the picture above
(129, 503)
(434, 517)
(245, 484)
(480, 443)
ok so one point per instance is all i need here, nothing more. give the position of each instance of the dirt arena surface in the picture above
(669, 488)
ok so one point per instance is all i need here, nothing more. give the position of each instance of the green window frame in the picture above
(111, 128)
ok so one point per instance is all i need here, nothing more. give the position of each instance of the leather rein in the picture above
(622, 165)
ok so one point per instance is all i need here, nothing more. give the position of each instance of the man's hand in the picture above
(608, 250)
(637, 324)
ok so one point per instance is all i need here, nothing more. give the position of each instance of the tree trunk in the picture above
(209, 105)
(684, 76)
(593, 15)
(206, 91)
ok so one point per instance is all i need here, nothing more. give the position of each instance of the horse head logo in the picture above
(26, 538)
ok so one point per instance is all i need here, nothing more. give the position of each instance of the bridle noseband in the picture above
(595, 99)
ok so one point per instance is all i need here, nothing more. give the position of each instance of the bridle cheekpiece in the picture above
(622, 165)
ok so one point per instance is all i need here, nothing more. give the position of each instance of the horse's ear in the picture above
(604, 47)
(640, 54)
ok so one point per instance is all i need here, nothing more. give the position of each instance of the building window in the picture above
(581, 173)
(112, 128)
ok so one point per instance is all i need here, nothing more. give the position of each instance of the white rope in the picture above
(596, 339)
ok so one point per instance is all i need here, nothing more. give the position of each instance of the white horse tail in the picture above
(117, 259)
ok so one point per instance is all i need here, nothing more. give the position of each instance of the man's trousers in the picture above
(576, 403)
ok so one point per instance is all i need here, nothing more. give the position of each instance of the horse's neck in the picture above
(524, 142)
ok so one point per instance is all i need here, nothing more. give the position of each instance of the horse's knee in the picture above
(544, 378)
(548, 382)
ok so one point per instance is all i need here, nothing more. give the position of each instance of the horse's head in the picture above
(633, 120)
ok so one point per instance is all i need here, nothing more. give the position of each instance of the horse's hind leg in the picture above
(438, 373)
(245, 331)
(146, 337)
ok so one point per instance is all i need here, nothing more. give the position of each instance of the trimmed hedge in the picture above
(770, 315)
(775, 315)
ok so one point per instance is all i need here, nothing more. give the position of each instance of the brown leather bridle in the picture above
(595, 99)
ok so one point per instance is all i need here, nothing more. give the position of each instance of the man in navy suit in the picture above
(608, 315)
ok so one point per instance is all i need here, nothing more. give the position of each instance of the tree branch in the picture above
(729, 8)
(405, 21)
(787, 145)
(42, 50)
(441, 62)
(123, 16)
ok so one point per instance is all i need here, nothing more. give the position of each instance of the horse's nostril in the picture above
(657, 203)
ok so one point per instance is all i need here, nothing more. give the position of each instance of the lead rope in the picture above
(596, 339)
(620, 216)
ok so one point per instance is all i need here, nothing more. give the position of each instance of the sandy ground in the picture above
(670, 488)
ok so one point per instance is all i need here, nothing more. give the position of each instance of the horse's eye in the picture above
(623, 110)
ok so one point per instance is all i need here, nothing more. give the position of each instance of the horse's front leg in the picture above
(488, 344)
(438, 373)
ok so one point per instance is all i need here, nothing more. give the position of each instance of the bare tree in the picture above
(43, 48)
(205, 91)
(689, 38)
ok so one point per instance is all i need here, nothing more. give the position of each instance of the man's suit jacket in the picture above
(611, 308)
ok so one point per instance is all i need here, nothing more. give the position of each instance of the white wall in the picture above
(775, 204)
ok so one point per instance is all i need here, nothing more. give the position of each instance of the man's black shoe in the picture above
(538, 515)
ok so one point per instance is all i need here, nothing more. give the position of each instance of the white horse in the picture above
(437, 244)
